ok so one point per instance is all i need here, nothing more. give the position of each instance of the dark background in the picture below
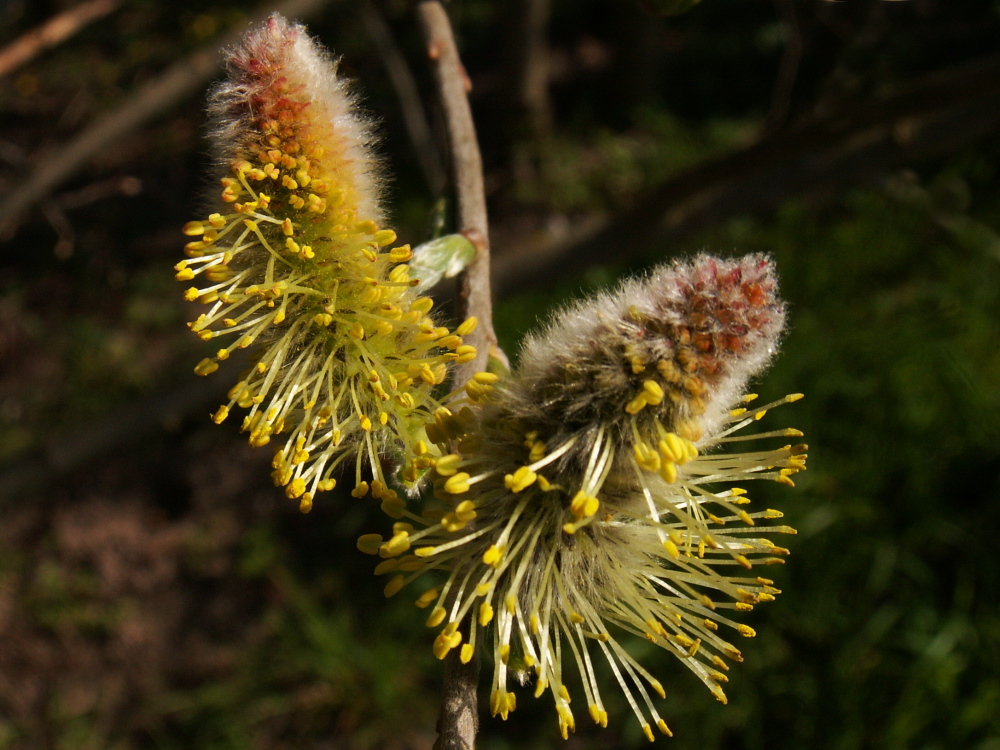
(157, 592)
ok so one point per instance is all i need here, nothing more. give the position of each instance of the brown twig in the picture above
(52, 32)
(467, 170)
(459, 718)
(182, 79)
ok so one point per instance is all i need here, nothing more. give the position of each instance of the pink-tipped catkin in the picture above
(699, 329)
(294, 267)
(283, 92)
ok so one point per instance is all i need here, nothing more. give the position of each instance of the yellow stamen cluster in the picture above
(626, 543)
(343, 353)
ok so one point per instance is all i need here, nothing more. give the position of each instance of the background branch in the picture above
(936, 115)
(52, 32)
(180, 80)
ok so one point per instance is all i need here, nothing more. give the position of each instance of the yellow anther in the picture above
(595, 713)
(690, 451)
(669, 472)
(296, 488)
(384, 237)
(387, 566)
(356, 331)
(370, 543)
(366, 424)
(447, 465)
(428, 597)
(396, 546)
(465, 510)
(466, 353)
(467, 326)
(422, 305)
(746, 631)
(646, 457)
(583, 505)
(468, 651)
(492, 556)
(445, 643)
(648, 731)
(457, 484)
(220, 415)
(193, 229)
(662, 726)
(400, 254)
(637, 404)
(206, 367)
(361, 490)
(653, 392)
(392, 588)
(436, 617)
(672, 447)
(671, 549)
(504, 653)
(393, 506)
(520, 480)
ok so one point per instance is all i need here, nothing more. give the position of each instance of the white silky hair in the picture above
(303, 62)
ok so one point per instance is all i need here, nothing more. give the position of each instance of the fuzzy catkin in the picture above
(588, 489)
(295, 267)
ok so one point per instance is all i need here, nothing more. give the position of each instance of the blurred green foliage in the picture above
(167, 597)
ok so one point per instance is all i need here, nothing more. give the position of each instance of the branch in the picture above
(179, 81)
(934, 117)
(52, 32)
(467, 168)
(458, 721)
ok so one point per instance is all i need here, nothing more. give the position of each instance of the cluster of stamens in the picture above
(343, 353)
